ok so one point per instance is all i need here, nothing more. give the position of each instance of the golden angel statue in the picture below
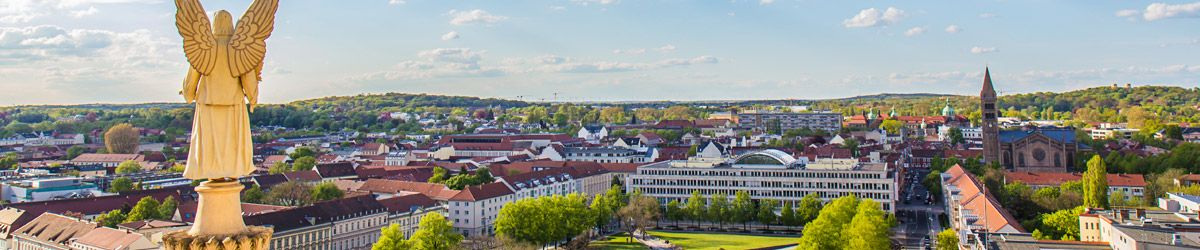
(226, 66)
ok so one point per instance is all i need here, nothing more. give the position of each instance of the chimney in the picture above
(1141, 213)
(1123, 216)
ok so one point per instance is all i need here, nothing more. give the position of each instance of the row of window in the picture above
(772, 173)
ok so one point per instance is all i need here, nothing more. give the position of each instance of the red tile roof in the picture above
(108, 238)
(306, 175)
(482, 192)
(55, 228)
(993, 217)
(433, 190)
(107, 157)
(407, 203)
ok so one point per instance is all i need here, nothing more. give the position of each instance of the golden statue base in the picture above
(252, 238)
(218, 223)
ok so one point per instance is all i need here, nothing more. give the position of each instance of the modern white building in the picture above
(608, 154)
(827, 121)
(47, 189)
(768, 174)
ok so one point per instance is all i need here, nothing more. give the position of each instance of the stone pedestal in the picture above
(218, 223)
(220, 209)
(251, 238)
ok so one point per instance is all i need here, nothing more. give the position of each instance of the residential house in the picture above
(107, 160)
(51, 232)
(347, 223)
(407, 210)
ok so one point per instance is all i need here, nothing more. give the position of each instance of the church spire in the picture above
(988, 90)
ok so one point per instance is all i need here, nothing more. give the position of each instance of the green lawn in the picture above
(692, 241)
(616, 242)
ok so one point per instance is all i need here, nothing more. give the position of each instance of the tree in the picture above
(391, 238)
(146, 208)
(601, 211)
(326, 191)
(868, 229)
(291, 193)
(1060, 225)
(1095, 183)
(439, 175)
(810, 207)
(435, 233)
(742, 209)
(304, 163)
(766, 212)
(956, 136)
(10, 160)
(891, 126)
(166, 210)
(483, 175)
(640, 213)
(279, 167)
(695, 208)
(74, 151)
(253, 194)
(718, 209)
(121, 184)
(111, 219)
(947, 240)
(826, 231)
(787, 216)
(546, 219)
(129, 167)
(121, 139)
(302, 152)
(674, 212)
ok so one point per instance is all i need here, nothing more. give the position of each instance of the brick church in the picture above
(1040, 149)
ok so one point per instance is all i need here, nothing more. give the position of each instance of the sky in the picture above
(128, 51)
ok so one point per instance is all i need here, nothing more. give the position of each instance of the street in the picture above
(918, 219)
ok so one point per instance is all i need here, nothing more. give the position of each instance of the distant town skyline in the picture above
(94, 51)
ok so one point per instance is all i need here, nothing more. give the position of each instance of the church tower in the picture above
(989, 125)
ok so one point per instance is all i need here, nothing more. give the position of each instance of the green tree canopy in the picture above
(326, 191)
(434, 232)
(146, 208)
(1095, 183)
(391, 238)
(129, 167)
(120, 184)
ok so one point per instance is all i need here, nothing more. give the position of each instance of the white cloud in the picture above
(397, 2)
(1158, 11)
(914, 31)
(666, 48)
(599, 2)
(453, 55)
(953, 29)
(629, 51)
(450, 36)
(982, 50)
(766, 2)
(476, 16)
(1128, 13)
(22, 11)
(873, 17)
(987, 15)
(82, 13)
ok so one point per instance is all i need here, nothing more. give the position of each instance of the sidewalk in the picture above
(654, 242)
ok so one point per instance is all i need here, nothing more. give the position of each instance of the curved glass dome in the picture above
(766, 157)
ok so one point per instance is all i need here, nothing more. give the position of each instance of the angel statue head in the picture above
(223, 25)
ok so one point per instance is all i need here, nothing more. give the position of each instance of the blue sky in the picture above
(124, 51)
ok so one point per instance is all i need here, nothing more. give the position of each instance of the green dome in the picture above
(948, 111)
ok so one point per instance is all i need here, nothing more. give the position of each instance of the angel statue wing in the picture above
(248, 46)
(199, 45)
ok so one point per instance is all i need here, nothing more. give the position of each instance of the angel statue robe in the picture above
(223, 83)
